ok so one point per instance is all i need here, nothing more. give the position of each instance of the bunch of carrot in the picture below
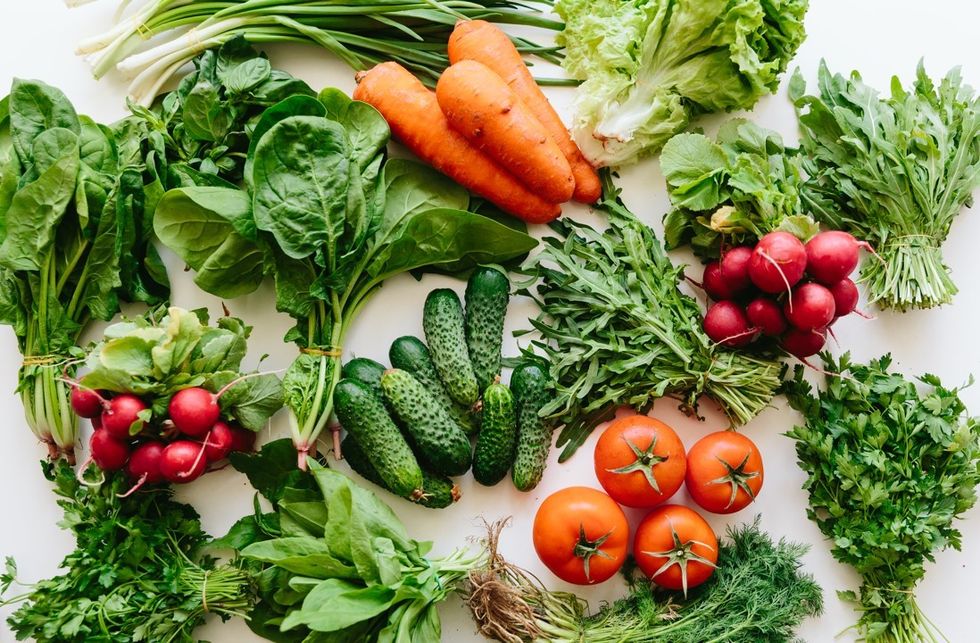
(488, 125)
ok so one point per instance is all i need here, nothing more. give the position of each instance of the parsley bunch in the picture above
(889, 468)
(133, 575)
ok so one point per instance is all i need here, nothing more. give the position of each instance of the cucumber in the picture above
(487, 294)
(438, 439)
(530, 383)
(498, 436)
(364, 370)
(442, 321)
(440, 491)
(362, 412)
(410, 354)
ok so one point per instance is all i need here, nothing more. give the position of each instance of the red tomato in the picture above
(640, 461)
(675, 547)
(725, 472)
(581, 535)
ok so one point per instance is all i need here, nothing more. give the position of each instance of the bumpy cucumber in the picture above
(442, 320)
(495, 447)
(440, 491)
(438, 439)
(364, 370)
(410, 354)
(362, 412)
(530, 384)
(487, 294)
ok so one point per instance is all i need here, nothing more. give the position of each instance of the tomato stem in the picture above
(586, 549)
(645, 462)
(680, 554)
(738, 478)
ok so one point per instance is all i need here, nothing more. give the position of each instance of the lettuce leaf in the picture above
(649, 66)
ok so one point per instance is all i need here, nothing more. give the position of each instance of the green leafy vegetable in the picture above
(733, 191)
(135, 574)
(893, 171)
(76, 207)
(889, 467)
(649, 67)
(616, 329)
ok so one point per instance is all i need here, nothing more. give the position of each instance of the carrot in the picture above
(413, 114)
(482, 107)
(483, 42)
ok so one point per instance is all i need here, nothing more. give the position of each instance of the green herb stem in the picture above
(910, 274)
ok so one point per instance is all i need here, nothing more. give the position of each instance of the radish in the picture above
(804, 343)
(122, 412)
(219, 442)
(845, 294)
(735, 268)
(144, 466)
(833, 255)
(108, 452)
(182, 461)
(714, 284)
(777, 263)
(86, 402)
(766, 315)
(243, 439)
(194, 411)
(726, 324)
(811, 306)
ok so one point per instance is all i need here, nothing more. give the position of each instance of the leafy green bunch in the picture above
(889, 468)
(158, 354)
(893, 171)
(76, 219)
(732, 191)
(617, 330)
(135, 573)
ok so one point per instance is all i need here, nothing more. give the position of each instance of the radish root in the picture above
(136, 487)
(779, 269)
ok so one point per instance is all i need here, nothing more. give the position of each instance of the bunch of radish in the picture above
(176, 450)
(784, 289)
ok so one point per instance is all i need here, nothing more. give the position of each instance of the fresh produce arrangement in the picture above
(167, 399)
(889, 468)
(616, 330)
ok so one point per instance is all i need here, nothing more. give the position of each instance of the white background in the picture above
(878, 37)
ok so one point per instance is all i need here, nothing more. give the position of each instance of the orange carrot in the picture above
(413, 114)
(483, 42)
(482, 107)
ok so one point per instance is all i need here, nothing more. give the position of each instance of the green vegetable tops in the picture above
(649, 66)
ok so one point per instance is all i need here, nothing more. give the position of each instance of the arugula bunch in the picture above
(76, 211)
(889, 468)
(893, 171)
(732, 191)
(135, 574)
(324, 212)
(332, 562)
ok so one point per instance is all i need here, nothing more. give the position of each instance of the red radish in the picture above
(804, 343)
(194, 411)
(243, 439)
(122, 412)
(778, 262)
(86, 403)
(845, 294)
(714, 284)
(725, 323)
(735, 268)
(833, 255)
(219, 442)
(144, 466)
(97, 422)
(108, 452)
(766, 315)
(811, 306)
(182, 461)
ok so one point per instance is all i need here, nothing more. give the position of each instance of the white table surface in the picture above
(878, 37)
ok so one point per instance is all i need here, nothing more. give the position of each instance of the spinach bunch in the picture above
(156, 355)
(324, 212)
(732, 191)
(617, 330)
(334, 563)
(76, 219)
(135, 574)
(889, 467)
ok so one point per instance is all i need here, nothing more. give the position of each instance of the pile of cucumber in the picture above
(409, 427)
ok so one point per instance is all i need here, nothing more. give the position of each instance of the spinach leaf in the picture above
(297, 105)
(252, 401)
(367, 130)
(34, 108)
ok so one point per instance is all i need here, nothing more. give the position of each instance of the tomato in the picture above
(675, 547)
(724, 472)
(639, 461)
(581, 535)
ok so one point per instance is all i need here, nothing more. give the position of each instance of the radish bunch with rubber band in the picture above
(784, 289)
